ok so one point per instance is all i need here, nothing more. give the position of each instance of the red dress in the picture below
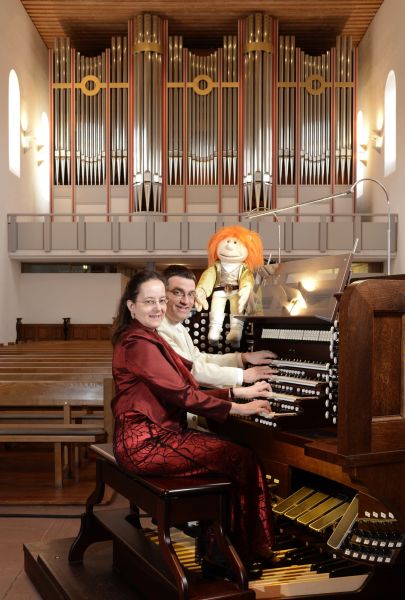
(155, 389)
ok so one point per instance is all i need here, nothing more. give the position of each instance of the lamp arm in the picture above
(387, 199)
(279, 237)
(255, 213)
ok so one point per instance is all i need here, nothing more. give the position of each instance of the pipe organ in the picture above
(175, 111)
(89, 121)
(147, 112)
(202, 119)
(119, 111)
(62, 112)
(230, 111)
(257, 113)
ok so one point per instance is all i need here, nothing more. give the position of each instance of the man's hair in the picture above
(179, 271)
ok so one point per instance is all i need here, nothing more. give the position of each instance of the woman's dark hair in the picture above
(123, 318)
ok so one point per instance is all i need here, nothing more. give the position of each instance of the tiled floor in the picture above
(49, 523)
(14, 532)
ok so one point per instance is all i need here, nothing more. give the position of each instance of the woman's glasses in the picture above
(149, 302)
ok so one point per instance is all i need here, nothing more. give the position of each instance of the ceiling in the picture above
(90, 24)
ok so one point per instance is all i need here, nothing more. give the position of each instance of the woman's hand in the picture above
(254, 373)
(251, 408)
(260, 389)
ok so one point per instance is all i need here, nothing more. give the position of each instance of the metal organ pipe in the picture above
(257, 70)
(62, 111)
(147, 112)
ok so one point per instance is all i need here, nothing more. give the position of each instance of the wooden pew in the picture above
(68, 369)
(45, 374)
(66, 396)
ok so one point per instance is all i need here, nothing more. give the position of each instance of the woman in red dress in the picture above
(155, 389)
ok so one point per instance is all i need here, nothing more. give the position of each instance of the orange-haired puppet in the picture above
(234, 253)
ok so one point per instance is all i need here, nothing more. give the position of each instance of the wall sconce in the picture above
(27, 140)
(40, 154)
(363, 153)
(376, 140)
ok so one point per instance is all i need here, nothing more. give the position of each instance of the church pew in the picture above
(55, 360)
(69, 400)
(45, 374)
(47, 368)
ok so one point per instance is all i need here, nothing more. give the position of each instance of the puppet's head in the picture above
(236, 244)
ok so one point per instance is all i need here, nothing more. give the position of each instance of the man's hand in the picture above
(200, 299)
(255, 373)
(261, 357)
(261, 389)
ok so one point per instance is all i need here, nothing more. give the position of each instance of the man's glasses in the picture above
(182, 294)
(149, 302)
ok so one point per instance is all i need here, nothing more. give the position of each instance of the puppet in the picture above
(234, 253)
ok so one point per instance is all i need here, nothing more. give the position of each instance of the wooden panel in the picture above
(91, 24)
(42, 332)
(387, 364)
(371, 359)
(39, 332)
(90, 332)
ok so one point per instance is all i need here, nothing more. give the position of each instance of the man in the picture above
(215, 370)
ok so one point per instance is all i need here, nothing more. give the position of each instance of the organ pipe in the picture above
(147, 111)
(257, 100)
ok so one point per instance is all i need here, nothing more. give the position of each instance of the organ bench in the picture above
(153, 570)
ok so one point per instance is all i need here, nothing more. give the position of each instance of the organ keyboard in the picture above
(335, 445)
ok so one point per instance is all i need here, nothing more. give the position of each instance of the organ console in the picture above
(334, 448)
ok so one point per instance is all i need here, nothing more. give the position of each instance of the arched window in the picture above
(14, 123)
(390, 124)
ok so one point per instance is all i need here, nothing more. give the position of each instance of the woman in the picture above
(155, 389)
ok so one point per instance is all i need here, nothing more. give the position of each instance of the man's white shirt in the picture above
(214, 370)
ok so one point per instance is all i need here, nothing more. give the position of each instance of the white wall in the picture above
(21, 49)
(381, 50)
(84, 297)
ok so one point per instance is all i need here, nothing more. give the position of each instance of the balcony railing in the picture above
(174, 234)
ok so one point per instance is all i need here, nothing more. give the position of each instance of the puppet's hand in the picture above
(244, 294)
(200, 299)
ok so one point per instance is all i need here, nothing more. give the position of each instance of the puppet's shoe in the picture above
(233, 338)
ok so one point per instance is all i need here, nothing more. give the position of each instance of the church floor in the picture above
(32, 510)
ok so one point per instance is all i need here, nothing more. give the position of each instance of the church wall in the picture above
(381, 50)
(21, 49)
(84, 297)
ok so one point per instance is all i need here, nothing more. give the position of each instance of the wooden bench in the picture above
(45, 375)
(155, 570)
(51, 369)
(70, 398)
